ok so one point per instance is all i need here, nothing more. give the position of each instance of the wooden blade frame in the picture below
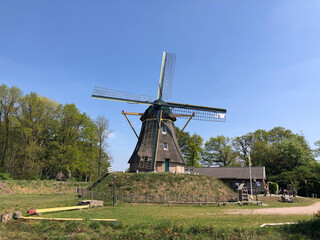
(163, 67)
(114, 95)
(166, 75)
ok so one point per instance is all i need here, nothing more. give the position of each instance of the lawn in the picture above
(148, 221)
(274, 201)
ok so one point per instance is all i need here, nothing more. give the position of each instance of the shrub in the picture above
(5, 176)
(273, 187)
(36, 177)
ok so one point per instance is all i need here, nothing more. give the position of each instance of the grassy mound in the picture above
(165, 184)
(39, 186)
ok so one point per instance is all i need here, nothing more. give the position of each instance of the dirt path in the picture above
(308, 210)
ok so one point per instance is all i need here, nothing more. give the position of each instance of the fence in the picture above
(152, 198)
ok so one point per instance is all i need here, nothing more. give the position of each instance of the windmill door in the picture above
(166, 165)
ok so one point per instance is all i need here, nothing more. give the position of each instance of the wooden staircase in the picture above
(243, 192)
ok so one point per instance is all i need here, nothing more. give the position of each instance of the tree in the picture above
(287, 155)
(241, 146)
(183, 139)
(278, 134)
(8, 101)
(102, 131)
(218, 151)
(317, 151)
(193, 155)
(40, 138)
(191, 147)
(34, 113)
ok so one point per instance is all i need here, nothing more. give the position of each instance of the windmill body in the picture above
(169, 156)
(157, 148)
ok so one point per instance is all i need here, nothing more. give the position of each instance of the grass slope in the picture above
(39, 186)
(166, 183)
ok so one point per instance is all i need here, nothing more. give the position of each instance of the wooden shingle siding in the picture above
(145, 145)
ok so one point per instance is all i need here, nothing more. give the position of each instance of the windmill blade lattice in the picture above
(168, 76)
(202, 115)
(200, 112)
(109, 94)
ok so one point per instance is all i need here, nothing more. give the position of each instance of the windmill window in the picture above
(164, 130)
(165, 146)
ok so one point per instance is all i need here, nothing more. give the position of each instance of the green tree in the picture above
(317, 151)
(218, 151)
(73, 145)
(301, 178)
(287, 155)
(40, 138)
(191, 147)
(278, 134)
(8, 106)
(70, 133)
(34, 127)
(241, 146)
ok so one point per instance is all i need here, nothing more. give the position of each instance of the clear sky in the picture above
(258, 59)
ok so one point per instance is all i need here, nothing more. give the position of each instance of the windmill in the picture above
(157, 148)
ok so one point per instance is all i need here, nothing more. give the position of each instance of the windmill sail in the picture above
(114, 95)
(200, 112)
(168, 76)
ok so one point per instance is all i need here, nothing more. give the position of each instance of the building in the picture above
(233, 176)
(169, 156)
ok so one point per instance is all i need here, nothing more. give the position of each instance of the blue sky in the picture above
(258, 59)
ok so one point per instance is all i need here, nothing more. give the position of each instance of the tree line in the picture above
(40, 138)
(287, 156)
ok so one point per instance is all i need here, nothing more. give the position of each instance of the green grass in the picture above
(167, 184)
(146, 221)
(130, 215)
(275, 201)
(23, 202)
(39, 186)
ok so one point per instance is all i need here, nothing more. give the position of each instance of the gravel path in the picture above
(308, 210)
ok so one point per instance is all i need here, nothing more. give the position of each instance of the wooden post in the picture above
(186, 124)
(130, 124)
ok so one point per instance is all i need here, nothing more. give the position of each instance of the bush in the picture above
(5, 176)
(273, 187)
(36, 177)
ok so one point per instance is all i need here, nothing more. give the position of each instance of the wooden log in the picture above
(37, 211)
(65, 219)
